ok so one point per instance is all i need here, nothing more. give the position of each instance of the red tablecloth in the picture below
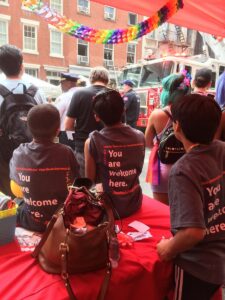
(140, 275)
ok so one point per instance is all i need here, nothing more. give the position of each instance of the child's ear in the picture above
(177, 130)
(97, 118)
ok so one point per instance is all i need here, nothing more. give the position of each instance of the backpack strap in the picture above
(168, 113)
(32, 90)
(4, 92)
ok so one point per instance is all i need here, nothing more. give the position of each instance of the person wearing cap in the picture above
(68, 85)
(131, 102)
(202, 82)
(80, 113)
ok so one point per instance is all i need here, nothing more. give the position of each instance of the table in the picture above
(140, 275)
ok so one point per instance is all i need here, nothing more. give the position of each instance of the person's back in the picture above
(43, 169)
(158, 172)
(13, 119)
(81, 110)
(80, 113)
(117, 152)
(196, 197)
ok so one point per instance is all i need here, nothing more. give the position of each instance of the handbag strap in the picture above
(46, 233)
(64, 250)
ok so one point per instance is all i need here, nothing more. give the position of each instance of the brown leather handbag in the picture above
(63, 251)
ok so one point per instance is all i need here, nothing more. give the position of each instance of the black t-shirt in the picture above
(44, 172)
(81, 109)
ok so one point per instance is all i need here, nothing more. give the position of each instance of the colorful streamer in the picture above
(103, 36)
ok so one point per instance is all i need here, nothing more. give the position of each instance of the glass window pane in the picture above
(56, 5)
(56, 43)
(29, 37)
(3, 32)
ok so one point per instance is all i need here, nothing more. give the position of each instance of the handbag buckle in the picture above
(63, 247)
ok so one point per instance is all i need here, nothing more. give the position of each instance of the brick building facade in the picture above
(47, 52)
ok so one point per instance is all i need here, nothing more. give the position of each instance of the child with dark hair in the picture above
(114, 156)
(197, 202)
(42, 170)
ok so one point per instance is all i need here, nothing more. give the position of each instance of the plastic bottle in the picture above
(114, 251)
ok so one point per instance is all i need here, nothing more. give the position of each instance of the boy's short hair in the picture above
(203, 77)
(199, 117)
(11, 60)
(99, 74)
(43, 121)
(109, 106)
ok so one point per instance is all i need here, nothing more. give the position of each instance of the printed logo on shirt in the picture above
(120, 178)
(215, 209)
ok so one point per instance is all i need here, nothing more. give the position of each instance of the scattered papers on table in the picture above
(27, 239)
(139, 226)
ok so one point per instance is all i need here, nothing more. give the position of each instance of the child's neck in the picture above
(43, 141)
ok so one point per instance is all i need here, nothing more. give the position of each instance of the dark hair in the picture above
(199, 117)
(109, 106)
(43, 121)
(11, 60)
(203, 77)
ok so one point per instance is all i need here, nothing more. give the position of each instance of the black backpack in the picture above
(13, 119)
(170, 148)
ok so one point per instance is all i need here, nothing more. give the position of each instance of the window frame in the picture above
(52, 29)
(4, 3)
(6, 19)
(113, 18)
(135, 52)
(129, 23)
(61, 5)
(88, 52)
(83, 9)
(35, 24)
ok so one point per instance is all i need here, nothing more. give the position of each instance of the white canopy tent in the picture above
(49, 90)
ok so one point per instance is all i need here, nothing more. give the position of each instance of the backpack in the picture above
(13, 118)
(170, 148)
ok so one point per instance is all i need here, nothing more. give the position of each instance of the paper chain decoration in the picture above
(103, 36)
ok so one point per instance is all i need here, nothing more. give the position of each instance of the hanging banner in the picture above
(103, 36)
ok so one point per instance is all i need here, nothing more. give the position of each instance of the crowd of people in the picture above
(98, 139)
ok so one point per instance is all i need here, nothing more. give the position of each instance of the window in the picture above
(108, 55)
(57, 5)
(31, 71)
(153, 73)
(53, 77)
(4, 2)
(30, 35)
(132, 19)
(83, 6)
(3, 32)
(56, 43)
(221, 69)
(131, 53)
(109, 13)
(82, 51)
(30, 38)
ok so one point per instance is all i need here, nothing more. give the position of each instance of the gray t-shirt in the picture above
(197, 199)
(119, 155)
(44, 172)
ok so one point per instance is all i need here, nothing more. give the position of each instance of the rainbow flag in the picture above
(153, 172)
